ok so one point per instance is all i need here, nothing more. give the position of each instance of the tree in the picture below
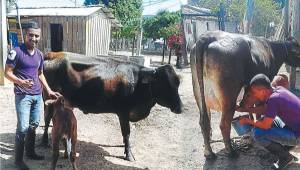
(128, 12)
(265, 12)
(162, 25)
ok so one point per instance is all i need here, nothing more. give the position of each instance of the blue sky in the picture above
(157, 5)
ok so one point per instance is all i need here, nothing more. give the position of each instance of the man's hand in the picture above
(53, 95)
(28, 83)
(246, 121)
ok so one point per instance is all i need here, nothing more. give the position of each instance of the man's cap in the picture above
(260, 80)
(33, 25)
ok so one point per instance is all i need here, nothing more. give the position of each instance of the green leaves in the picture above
(162, 25)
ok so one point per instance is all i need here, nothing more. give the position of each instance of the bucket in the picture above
(239, 128)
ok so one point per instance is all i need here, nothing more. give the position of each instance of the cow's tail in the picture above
(197, 64)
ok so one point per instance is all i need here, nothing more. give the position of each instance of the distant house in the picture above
(65, 25)
(197, 21)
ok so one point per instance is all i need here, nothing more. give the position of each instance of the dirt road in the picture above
(163, 141)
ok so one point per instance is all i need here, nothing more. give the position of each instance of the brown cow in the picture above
(64, 127)
(222, 63)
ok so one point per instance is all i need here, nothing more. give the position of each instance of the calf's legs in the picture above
(55, 151)
(48, 114)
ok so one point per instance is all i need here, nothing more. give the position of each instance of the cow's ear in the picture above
(49, 102)
(148, 75)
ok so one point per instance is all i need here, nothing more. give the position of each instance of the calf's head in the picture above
(58, 103)
(165, 88)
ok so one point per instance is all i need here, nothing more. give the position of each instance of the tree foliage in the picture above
(127, 12)
(265, 11)
(163, 25)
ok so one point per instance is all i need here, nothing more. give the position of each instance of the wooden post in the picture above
(3, 39)
(183, 45)
(163, 55)
(170, 55)
(295, 33)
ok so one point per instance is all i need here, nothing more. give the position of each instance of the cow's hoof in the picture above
(129, 157)
(211, 156)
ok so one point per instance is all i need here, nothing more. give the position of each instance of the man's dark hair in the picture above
(32, 24)
(261, 80)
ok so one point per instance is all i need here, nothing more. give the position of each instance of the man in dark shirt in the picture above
(279, 103)
(24, 67)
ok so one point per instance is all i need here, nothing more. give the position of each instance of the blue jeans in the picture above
(28, 109)
(278, 133)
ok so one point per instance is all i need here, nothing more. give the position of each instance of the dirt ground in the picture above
(163, 141)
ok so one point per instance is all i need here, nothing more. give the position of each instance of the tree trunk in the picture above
(170, 55)
(133, 45)
(183, 46)
(163, 54)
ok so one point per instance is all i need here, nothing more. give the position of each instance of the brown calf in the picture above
(64, 128)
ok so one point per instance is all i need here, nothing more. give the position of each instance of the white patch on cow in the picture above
(69, 146)
(12, 55)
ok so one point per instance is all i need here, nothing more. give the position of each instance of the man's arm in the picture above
(265, 123)
(9, 74)
(46, 86)
(261, 109)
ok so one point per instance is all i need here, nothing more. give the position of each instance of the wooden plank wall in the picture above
(85, 35)
(74, 32)
(97, 35)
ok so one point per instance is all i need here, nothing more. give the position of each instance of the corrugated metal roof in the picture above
(83, 11)
(49, 3)
(188, 9)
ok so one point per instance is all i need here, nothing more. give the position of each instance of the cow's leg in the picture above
(48, 113)
(225, 126)
(206, 132)
(204, 119)
(66, 148)
(125, 127)
(228, 96)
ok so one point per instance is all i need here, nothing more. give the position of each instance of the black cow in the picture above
(96, 85)
(222, 63)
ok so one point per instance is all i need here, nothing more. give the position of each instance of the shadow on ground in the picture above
(257, 159)
(91, 156)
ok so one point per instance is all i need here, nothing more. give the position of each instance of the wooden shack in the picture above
(84, 30)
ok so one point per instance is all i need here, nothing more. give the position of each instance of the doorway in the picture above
(56, 37)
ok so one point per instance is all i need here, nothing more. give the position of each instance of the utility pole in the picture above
(3, 39)
(295, 28)
(139, 38)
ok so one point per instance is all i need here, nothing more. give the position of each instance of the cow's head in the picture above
(165, 88)
(293, 52)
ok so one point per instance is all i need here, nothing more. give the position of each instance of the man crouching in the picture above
(279, 129)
